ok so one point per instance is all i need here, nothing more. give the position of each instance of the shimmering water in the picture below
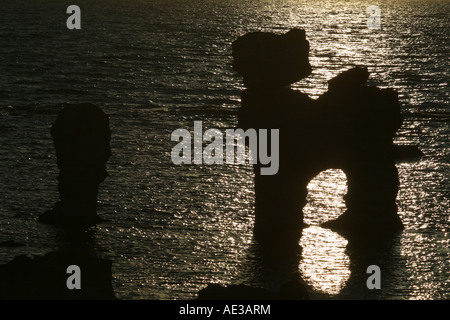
(155, 66)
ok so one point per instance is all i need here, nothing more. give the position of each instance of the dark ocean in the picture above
(158, 65)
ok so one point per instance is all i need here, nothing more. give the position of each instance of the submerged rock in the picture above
(288, 291)
(235, 292)
(405, 153)
(11, 244)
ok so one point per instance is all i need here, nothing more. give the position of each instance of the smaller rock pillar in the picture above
(81, 137)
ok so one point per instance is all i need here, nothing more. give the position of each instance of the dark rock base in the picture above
(45, 277)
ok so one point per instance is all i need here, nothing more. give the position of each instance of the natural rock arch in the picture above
(350, 127)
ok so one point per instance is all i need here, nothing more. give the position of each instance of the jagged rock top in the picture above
(271, 60)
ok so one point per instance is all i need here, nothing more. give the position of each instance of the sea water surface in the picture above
(158, 65)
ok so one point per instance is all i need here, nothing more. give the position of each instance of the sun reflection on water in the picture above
(324, 264)
(325, 196)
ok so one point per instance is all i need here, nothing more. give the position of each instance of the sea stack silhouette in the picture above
(81, 137)
(350, 127)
